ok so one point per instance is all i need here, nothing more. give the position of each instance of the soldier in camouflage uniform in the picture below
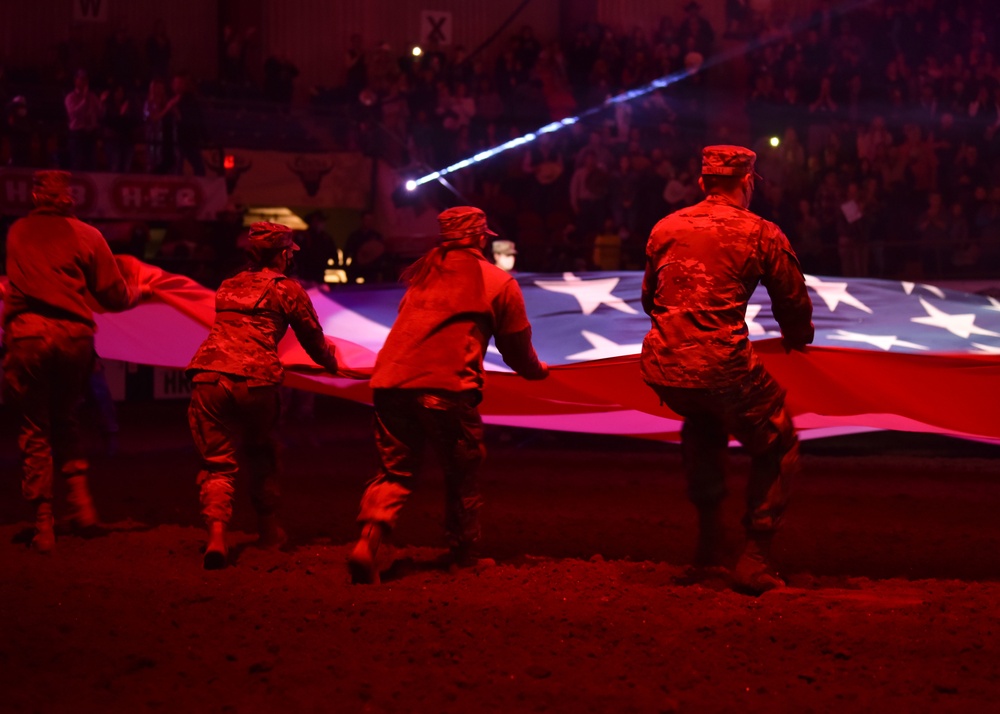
(235, 377)
(54, 261)
(702, 265)
(428, 382)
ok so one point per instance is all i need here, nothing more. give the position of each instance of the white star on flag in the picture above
(986, 349)
(591, 294)
(834, 293)
(755, 328)
(933, 289)
(883, 342)
(603, 348)
(994, 304)
(961, 325)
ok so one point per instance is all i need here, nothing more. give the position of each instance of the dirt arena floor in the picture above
(890, 548)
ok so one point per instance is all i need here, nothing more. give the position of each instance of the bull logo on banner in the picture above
(311, 171)
(230, 167)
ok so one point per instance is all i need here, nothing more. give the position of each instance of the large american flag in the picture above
(887, 355)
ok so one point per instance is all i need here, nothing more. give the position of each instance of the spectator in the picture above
(120, 122)
(158, 51)
(158, 118)
(189, 123)
(365, 252)
(83, 110)
(19, 127)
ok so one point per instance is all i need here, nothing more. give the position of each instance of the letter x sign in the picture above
(435, 27)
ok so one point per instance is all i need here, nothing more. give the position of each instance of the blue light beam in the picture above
(659, 83)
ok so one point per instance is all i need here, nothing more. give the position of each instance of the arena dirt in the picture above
(890, 547)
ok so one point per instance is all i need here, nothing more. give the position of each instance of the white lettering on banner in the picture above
(100, 195)
(16, 191)
(170, 384)
(131, 196)
(90, 10)
(435, 28)
(187, 198)
(158, 197)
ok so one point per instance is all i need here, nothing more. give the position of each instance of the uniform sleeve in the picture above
(105, 281)
(648, 287)
(302, 317)
(513, 333)
(786, 286)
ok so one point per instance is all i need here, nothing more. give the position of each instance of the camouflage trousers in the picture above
(231, 421)
(753, 412)
(45, 380)
(406, 420)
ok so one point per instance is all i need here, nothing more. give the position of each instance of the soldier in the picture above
(428, 382)
(235, 376)
(702, 265)
(54, 261)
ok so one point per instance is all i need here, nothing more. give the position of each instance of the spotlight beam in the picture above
(660, 83)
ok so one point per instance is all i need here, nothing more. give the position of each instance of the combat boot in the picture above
(361, 563)
(269, 533)
(45, 536)
(753, 573)
(710, 551)
(216, 552)
(83, 515)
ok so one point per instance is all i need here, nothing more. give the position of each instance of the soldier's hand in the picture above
(542, 373)
(790, 345)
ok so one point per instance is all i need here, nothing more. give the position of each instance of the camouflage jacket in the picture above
(252, 313)
(702, 265)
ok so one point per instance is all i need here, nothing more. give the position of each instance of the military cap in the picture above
(51, 188)
(504, 247)
(463, 222)
(265, 235)
(725, 160)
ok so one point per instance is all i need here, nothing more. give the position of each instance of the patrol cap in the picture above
(727, 160)
(51, 188)
(463, 222)
(504, 247)
(265, 235)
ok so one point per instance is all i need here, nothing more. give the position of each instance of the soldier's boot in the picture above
(361, 562)
(216, 552)
(270, 534)
(44, 539)
(710, 551)
(83, 515)
(754, 573)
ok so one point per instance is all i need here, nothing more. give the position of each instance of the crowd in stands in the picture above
(877, 130)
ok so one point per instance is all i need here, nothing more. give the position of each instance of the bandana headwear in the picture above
(463, 222)
(50, 189)
(724, 160)
(265, 236)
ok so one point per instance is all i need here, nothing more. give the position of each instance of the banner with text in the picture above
(123, 196)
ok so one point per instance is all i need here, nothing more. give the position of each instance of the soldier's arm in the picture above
(786, 286)
(305, 323)
(105, 281)
(648, 288)
(513, 334)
